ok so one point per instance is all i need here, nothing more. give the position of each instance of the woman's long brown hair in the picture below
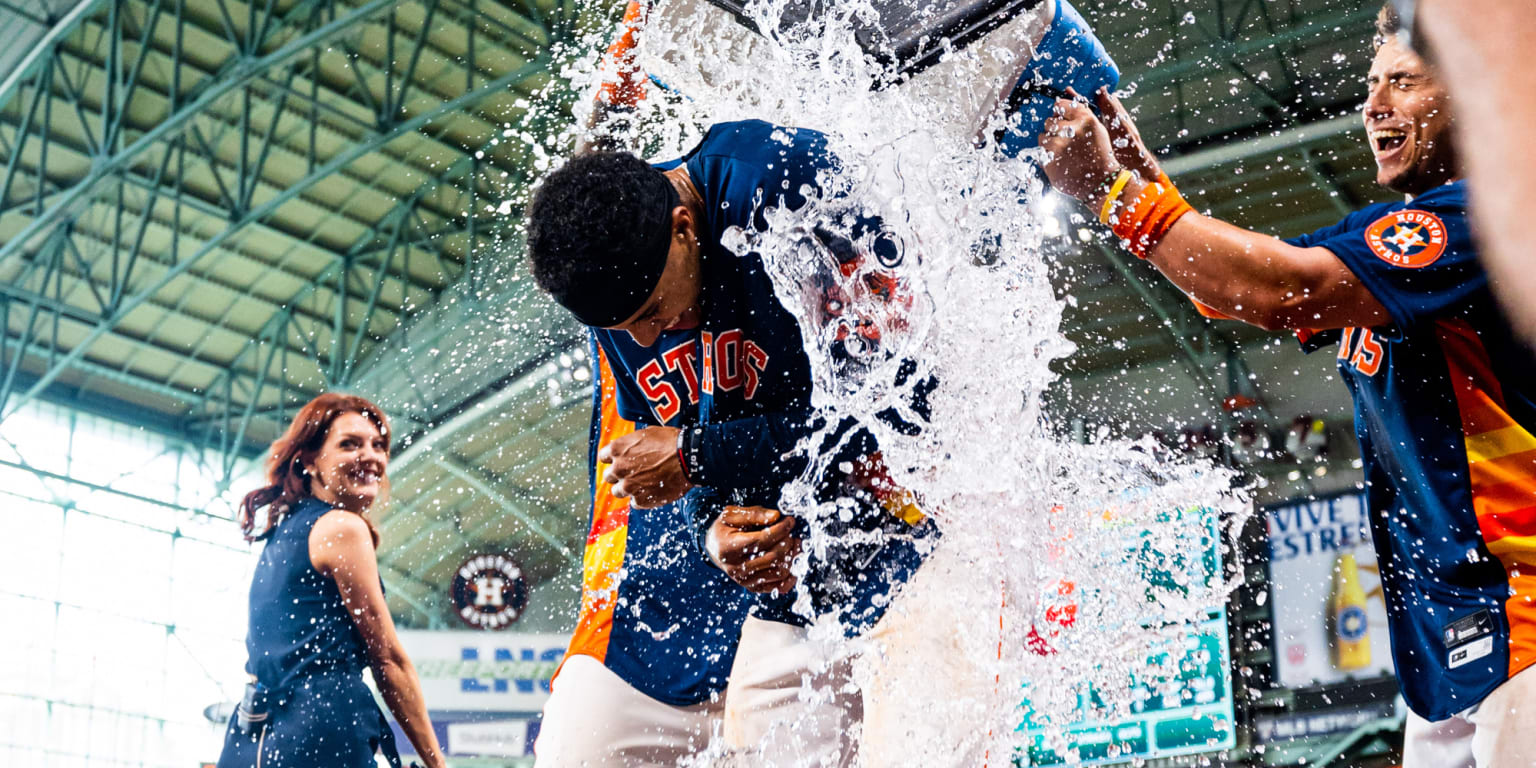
(287, 481)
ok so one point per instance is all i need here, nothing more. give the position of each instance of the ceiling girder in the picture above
(486, 487)
(354, 279)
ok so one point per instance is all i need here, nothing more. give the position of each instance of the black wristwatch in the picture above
(688, 439)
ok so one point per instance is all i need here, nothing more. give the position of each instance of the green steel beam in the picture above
(221, 209)
(476, 480)
(164, 387)
(42, 48)
(335, 268)
(217, 88)
(395, 581)
(1198, 60)
(260, 212)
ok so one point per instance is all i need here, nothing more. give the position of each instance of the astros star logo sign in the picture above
(1412, 239)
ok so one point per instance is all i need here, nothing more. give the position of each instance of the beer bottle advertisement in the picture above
(1330, 623)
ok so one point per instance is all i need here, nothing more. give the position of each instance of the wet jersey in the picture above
(741, 378)
(1445, 415)
(655, 610)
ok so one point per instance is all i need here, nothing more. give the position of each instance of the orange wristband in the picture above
(1147, 220)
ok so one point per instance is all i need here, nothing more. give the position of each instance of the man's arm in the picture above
(649, 466)
(1247, 275)
(1262, 280)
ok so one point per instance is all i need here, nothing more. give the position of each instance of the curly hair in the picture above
(597, 234)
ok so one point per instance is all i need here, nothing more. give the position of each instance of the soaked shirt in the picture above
(742, 378)
(654, 609)
(1445, 415)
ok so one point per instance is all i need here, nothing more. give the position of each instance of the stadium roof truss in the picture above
(211, 211)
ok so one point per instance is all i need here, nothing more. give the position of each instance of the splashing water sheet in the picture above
(1062, 568)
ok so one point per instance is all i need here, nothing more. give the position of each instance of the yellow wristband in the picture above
(1114, 194)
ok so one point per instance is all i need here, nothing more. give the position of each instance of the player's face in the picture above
(1408, 122)
(674, 302)
(349, 470)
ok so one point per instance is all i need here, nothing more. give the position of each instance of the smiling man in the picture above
(1445, 398)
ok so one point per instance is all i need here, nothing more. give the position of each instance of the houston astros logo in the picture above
(1411, 239)
(489, 591)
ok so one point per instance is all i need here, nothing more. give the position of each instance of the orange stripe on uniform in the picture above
(1501, 468)
(1500, 523)
(603, 561)
(1501, 489)
(1501, 443)
(1522, 603)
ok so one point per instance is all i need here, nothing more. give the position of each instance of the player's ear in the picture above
(683, 224)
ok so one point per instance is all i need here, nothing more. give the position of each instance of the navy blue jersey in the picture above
(742, 378)
(655, 610)
(1444, 414)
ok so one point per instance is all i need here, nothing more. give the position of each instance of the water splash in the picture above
(1062, 566)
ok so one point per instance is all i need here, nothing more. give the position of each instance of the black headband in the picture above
(610, 295)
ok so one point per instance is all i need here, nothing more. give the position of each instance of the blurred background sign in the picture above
(1186, 712)
(1330, 624)
(486, 690)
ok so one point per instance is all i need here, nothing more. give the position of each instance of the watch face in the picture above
(489, 592)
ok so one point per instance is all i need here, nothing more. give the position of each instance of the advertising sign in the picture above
(1273, 728)
(484, 689)
(495, 738)
(1190, 713)
(475, 671)
(489, 591)
(1330, 622)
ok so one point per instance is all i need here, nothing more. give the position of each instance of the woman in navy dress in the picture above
(317, 613)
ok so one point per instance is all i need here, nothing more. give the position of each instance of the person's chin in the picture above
(362, 497)
(1394, 179)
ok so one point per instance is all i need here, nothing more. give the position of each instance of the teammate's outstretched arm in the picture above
(1246, 275)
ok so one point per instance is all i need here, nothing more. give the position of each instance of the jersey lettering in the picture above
(1368, 352)
(738, 363)
(754, 361)
(681, 358)
(729, 358)
(707, 343)
(663, 396)
(1410, 239)
(727, 351)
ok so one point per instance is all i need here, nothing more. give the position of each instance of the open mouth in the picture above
(1386, 140)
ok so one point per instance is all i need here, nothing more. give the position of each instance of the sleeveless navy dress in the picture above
(304, 647)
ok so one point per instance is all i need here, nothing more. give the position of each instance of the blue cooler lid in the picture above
(1069, 55)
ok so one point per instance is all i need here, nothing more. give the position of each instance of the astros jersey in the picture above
(654, 609)
(1445, 416)
(746, 360)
